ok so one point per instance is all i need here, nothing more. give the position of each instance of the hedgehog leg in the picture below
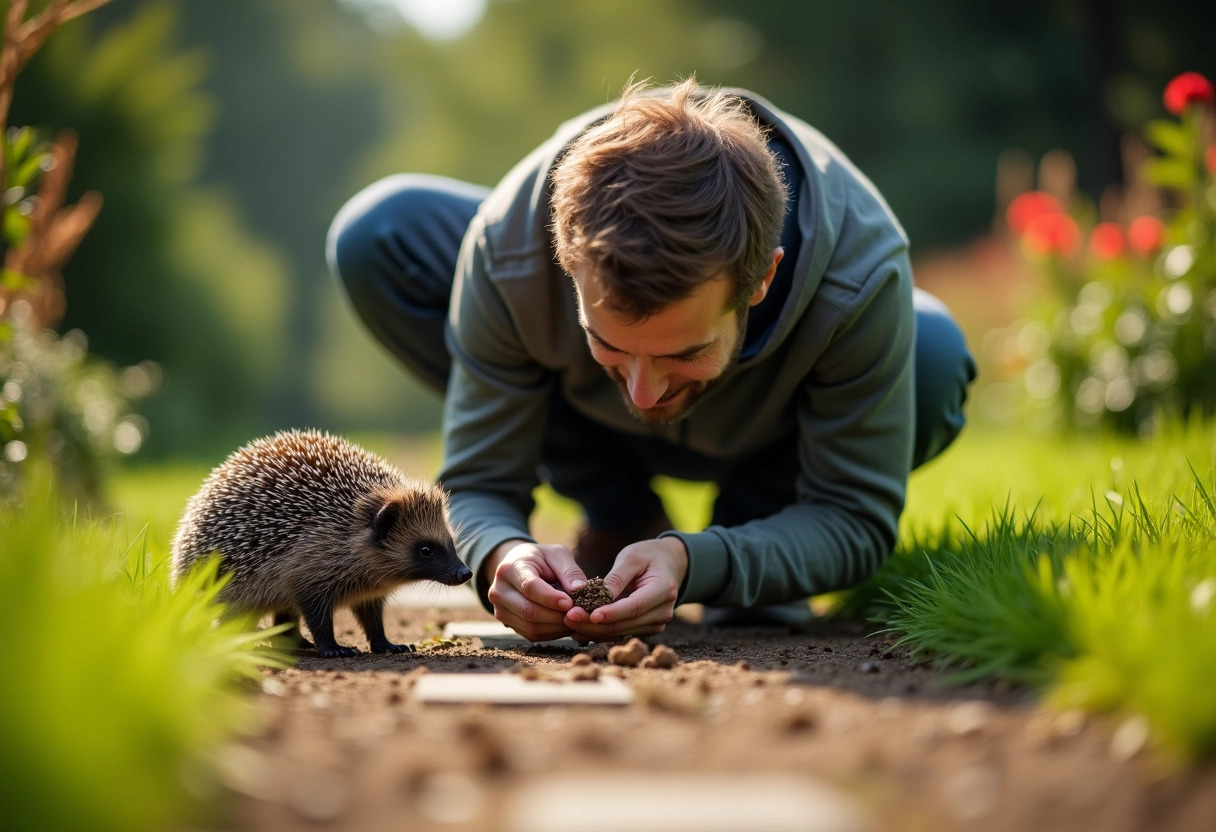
(293, 636)
(319, 616)
(371, 617)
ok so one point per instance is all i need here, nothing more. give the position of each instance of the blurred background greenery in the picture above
(225, 135)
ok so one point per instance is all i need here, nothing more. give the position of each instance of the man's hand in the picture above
(522, 574)
(644, 581)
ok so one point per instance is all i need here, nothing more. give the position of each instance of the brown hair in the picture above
(674, 188)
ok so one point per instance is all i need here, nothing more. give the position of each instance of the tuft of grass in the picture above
(987, 609)
(115, 691)
(1142, 617)
(1105, 603)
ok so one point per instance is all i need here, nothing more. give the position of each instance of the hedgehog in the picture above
(304, 522)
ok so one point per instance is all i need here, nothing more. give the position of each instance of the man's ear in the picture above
(386, 518)
(767, 280)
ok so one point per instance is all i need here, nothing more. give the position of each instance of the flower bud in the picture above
(1187, 89)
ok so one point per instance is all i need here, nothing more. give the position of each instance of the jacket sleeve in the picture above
(855, 438)
(494, 414)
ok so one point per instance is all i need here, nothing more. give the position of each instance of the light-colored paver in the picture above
(512, 689)
(666, 802)
(494, 634)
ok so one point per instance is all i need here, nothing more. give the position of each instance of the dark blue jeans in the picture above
(393, 248)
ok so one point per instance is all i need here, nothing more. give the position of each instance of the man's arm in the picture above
(494, 416)
(855, 451)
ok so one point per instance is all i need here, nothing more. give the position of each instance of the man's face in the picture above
(665, 363)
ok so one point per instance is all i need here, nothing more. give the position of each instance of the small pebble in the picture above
(890, 707)
(273, 687)
(1129, 738)
(628, 654)
(586, 673)
(869, 667)
(967, 718)
(664, 657)
(799, 722)
(579, 659)
(1070, 723)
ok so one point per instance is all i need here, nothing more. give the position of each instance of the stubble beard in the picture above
(693, 392)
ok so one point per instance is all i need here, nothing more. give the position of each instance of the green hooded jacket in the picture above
(837, 367)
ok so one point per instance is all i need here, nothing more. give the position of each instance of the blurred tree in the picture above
(133, 96)
(225, 140)
(923, 96)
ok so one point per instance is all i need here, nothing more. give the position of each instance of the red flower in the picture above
(1026, 207)
(1187, 89)
(1055, 233)
(1106, 241)
(1145, 234)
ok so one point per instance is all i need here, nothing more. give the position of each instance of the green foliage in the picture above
(166, 262)
(116, 692)
(61, 404)
(1107, 605)
(25, 157)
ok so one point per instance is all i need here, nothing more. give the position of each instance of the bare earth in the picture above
(786, 716)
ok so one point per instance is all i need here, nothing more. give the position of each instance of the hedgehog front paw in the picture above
(389, 647)
(337, 652)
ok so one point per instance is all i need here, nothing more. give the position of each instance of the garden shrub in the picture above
(1126, 334)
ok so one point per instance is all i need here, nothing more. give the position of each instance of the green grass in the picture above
(1087, 567)
(116, 693)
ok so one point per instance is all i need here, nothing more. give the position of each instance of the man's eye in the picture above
(600, 345)
(690, 359)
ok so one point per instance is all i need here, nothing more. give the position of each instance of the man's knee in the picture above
(944, 371)
(368, 231)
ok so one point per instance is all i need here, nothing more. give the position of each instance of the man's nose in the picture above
(646, 385)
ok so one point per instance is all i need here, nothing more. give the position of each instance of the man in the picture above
(685, 282)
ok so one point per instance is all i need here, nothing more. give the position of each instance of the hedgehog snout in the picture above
(431, 560)
(455, 571)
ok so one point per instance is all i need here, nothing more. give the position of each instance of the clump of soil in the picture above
(592, 595)
(664, 657)
(628, 655)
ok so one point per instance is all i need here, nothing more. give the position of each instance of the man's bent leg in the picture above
(944, 369)
(393, 248)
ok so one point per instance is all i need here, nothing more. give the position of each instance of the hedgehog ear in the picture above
(386, 518)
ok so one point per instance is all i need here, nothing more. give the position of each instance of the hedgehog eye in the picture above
(424, 551)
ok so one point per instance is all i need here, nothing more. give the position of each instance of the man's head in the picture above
(668, 216)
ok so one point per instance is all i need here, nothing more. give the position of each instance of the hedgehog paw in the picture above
(389, 647)
(338, 652)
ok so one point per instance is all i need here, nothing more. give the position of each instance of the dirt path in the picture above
(346, 746)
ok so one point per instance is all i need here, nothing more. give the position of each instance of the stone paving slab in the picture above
(669, 802)
(512, 689)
